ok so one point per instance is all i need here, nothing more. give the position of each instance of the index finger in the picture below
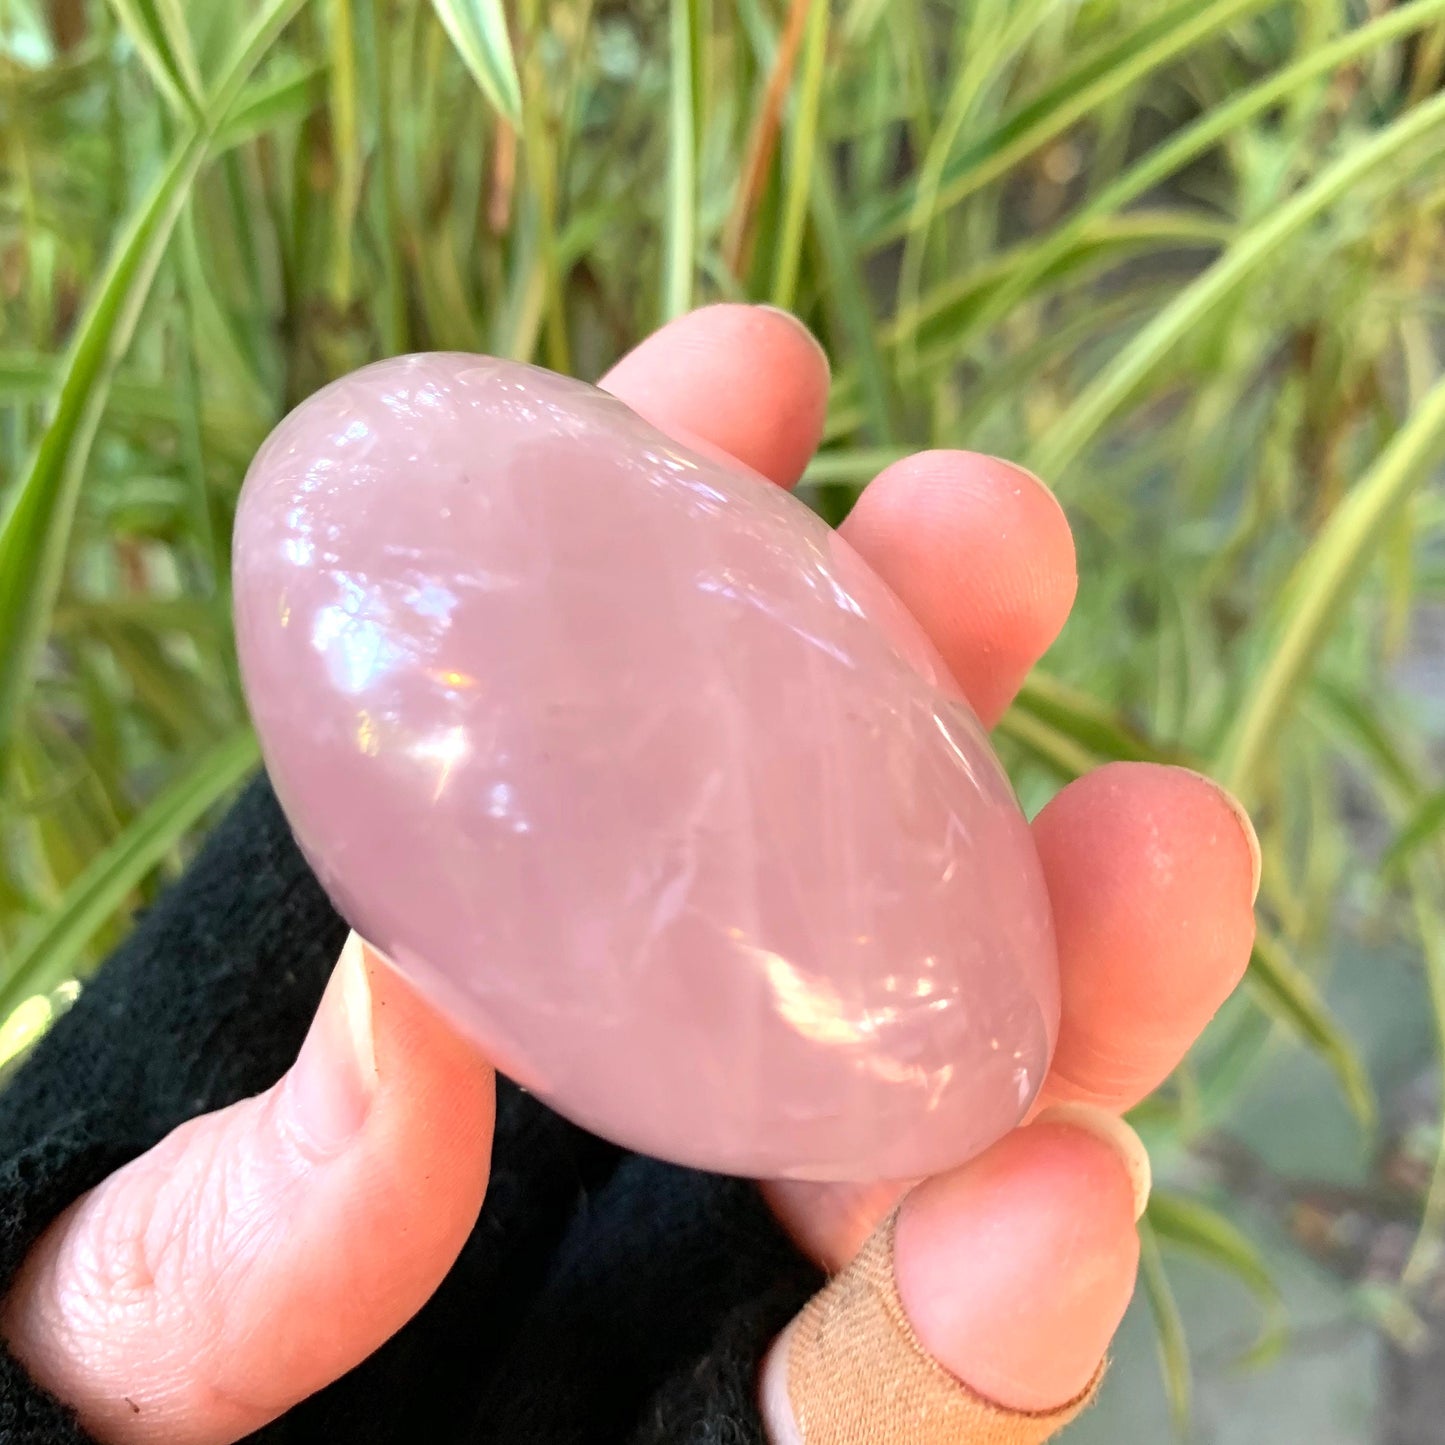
(748, 381)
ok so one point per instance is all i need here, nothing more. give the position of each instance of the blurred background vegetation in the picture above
(1182, 258)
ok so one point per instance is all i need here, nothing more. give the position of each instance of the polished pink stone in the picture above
(630, 763)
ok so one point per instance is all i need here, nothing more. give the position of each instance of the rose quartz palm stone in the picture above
(630, 764)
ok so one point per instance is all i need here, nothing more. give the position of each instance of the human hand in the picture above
(214, 1282)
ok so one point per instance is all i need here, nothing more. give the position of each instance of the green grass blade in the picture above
(1422, 827)
(1205, 1233)
(1095, 83)
(266, 24)
(344, 93)
(284, 97)
(395, 320)
(843, 285)
(1322, 584)
(963, 305)
(992, 36)
(1170, 158)
(1288, 995)
(170, 21)
(680, 220)
(803, 158)
(1172, 1340)
(163, 44)
(1088, 722)
(168, 696)
(1087, 416)
(1064, 756)
(537, 265)
(852, 465)
(478, 29)
(204, 522)
(50, 956)
(195, 616)
(1350, 717)
(25, 378)
(847, 294)
(35, 531)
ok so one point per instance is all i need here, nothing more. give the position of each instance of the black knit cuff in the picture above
(715, 1400)
(667, 1279)
(28, 1416)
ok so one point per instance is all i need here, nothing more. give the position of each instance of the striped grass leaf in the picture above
(1322, 584)
(344, 93)
(50, 955)
(1421, 828)
(1087, 721)
(679, 252)
(1049, 745)
(803, 158)
(847, 295)
(26, 378)
(1038, 261)
(1263, 242)
(285, 96)
(994, 33)
(844, 289)
(1171, 1338)
(1192, 1226)
(1287, 995)
(946, 316)
(157, 29)
(761, 149)
(478, 29)
(35, 531)
(1096, 81)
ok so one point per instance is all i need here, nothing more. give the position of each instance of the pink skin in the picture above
(163, 1284)
(1014, 1270)
(1041, 1231)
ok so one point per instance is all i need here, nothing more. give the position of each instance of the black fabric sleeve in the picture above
(668, 1281)
(714, 1399)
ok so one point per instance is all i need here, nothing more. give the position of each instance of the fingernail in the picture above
(1246, 826)
(1022, 470)
(802, 327)
(331, 1085)
(1015, 1271)
(1118, 1135)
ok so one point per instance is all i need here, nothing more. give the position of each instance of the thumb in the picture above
(234, 1269)
(980, 1313)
